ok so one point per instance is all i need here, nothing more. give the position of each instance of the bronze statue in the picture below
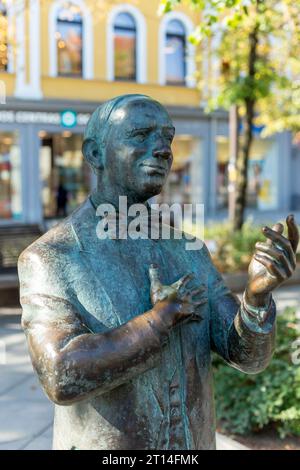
(120, 330)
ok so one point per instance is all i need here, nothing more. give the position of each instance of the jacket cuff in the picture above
(263, 324)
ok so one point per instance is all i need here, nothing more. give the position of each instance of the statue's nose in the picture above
(163, 152)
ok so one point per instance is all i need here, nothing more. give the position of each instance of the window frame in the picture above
(126, 29)
(71, 22)
(141, 42)
(87, 40)
(190, 67)
(182, 37)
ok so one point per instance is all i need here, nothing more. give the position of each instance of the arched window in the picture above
(3, 38)
(69, 38)
(175, 53)
(125, 47)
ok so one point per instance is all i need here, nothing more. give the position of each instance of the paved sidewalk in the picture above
(26, 414)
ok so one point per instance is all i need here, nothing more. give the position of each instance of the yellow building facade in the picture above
(33, 73)
(60, 59)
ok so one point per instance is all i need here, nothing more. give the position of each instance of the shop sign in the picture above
(64, 119)
(68, 118)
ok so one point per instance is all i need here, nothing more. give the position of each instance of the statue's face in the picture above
(138, 152)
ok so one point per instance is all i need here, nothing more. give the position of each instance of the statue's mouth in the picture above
(155, 168)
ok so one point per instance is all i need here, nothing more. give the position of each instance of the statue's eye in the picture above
(169, 136)
(140, 136)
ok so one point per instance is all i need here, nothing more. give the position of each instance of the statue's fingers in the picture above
(272, 267)
(279, 228)
(183, 281)
(197, 291)
(277, 254)
(278, 239)
(197, 303)
(187, 308)
(293, 232)
(191, 294)
(154, 277)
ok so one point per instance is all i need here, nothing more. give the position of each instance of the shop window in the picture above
(125, 47)
(65, 176)
(175, 55)
(10, 177)
(3, 38)
(262, 191)
(185, 182)
(69, 34)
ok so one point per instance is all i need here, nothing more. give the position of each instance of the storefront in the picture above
(64, 175)
(263, 173)
(270, 172)
(43, 175)
(42, 171)
(184, 184)
(10, 176)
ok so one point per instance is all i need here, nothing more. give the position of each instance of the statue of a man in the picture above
(120, 331)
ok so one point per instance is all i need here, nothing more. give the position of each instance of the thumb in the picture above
(154, 278)
(278, 228)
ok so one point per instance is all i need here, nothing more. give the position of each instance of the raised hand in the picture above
(273, 262)
(178, 301)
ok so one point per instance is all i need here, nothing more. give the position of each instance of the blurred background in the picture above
(229, 74)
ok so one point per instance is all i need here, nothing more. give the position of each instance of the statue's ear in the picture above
(90, 150)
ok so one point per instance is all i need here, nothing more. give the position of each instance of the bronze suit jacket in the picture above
(167, 402)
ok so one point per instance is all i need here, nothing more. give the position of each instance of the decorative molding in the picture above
(35, 48)
(20, 89)
(31, 89)
(190, 61)
(141, 47)
(10, 26)
(87, 47)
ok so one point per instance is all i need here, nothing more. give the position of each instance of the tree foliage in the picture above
(248, 403)
(225, 28)
(251, 50)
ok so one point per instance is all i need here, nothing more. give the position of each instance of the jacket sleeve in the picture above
(72, 362)
(241, 341)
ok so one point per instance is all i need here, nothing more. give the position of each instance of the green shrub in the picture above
(247, 403)
(231, 251)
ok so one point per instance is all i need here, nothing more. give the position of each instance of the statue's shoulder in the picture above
(56, 242)
(60, 241)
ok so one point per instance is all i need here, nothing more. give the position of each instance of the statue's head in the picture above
(127, 142)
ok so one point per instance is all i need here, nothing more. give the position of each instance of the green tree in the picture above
(257, 46)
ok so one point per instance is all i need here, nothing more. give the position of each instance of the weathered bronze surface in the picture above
(125, 358)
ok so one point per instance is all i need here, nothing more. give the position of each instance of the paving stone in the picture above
(226, 443)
